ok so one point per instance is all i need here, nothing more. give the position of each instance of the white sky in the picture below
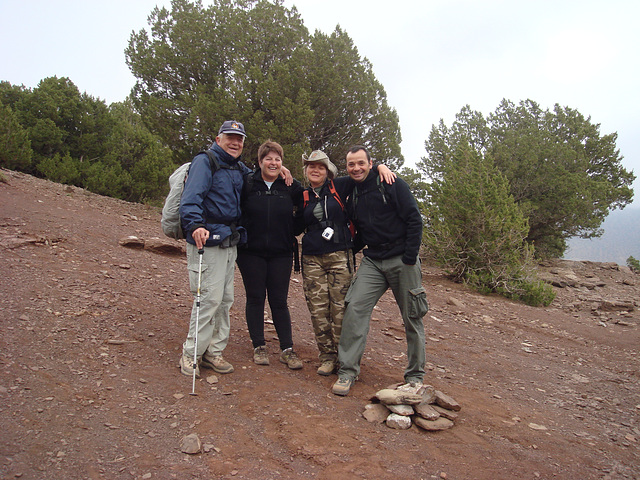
(432, 56)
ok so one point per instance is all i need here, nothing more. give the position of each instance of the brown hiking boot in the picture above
(290, 357)
(342, 386)
(217, 363)
(186, 366)
(327, 368)
(261, 355)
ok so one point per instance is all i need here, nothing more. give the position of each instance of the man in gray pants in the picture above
(389, 223)
(210, 211)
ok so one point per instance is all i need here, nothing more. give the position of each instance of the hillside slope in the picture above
(91, 334)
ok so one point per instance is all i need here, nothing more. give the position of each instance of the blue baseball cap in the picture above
(231, 126)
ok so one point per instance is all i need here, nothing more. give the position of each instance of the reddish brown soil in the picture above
(92, 333)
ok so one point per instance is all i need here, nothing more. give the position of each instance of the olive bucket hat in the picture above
(318, 156)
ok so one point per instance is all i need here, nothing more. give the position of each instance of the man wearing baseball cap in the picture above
(210, 211)
(230, 127)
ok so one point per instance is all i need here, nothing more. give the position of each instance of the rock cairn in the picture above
(401, 405)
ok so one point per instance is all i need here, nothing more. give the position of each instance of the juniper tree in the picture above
(15, 147)
(255, 61)
(477, 232)
(565, 175)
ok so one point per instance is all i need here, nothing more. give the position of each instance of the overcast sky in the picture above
(432, 56)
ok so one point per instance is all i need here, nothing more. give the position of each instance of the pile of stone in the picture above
(155, 245)
(399, 406)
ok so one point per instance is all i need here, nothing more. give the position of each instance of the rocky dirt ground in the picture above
(92, 333)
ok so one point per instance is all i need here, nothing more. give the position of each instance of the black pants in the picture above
(264, 276)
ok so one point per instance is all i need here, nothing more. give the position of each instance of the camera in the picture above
(327, 233)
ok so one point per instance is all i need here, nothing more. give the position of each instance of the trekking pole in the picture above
(195, 340)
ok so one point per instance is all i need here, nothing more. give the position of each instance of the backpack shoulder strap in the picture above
(383, 190)
(248, 184)
(213, 160)
(336, 195)
(380, 186)
(334, 192)
(216, 165)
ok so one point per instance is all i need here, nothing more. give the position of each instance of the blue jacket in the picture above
(212, 201)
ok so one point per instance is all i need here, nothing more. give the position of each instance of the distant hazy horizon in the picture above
(620, 240)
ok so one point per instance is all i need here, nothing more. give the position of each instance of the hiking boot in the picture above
(290, 357)
(413, 385)
(186, 366)
(217, 363)
(327, 368)
(342, 386)
(261, 355)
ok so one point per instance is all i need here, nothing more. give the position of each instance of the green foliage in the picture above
(12, 95)
(147, 162)
(78, 140)
(49, 113)
(15, 147)
(61, 169)
(47, 140)
(477, 231)
(563, 174)
(109, 178)
(349, 104)
(633, 264)
(254, 61)
(150, 175)
(60, 120)
(417, 185)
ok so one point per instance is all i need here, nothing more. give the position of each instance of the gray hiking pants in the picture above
(371, 281)
(216, 298)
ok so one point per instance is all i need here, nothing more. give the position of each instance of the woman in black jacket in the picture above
(265, 261)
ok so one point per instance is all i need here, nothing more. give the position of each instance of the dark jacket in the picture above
(387, 219)
(268, 216)
(211, 200)
(334, 216)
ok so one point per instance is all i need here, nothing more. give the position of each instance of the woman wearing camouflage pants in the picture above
(327, 266)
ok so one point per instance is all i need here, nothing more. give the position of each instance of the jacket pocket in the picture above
(418, 305)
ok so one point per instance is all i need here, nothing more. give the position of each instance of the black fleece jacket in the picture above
(268, 216)
(388, 224)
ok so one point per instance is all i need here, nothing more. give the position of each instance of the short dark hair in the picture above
(269, 146)
(357, 148)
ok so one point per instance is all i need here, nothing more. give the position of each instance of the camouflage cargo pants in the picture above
(326, 280)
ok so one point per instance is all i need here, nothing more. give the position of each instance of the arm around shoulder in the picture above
(386, 174)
